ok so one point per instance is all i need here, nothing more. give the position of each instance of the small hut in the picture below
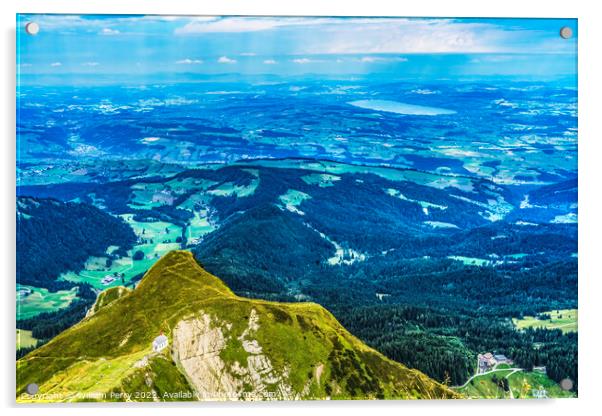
(160, 342)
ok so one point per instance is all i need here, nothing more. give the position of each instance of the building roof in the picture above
(160, 340)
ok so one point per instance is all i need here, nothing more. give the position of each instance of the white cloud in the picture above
(226, 60)
(239, 24)
(416, 36)
(302, 60)
(368, 59)
(25, 65)
(425, 91)
(49, 22)
(324, 35)
(188, 61)
(69, 21)
(90, 64)
(56, 64)
(270, 62)
(372, 59)
(372, 35)
(108, 31)
(248, 54)
(260, 23)
(383, 35)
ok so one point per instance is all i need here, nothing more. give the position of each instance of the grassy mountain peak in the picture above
(221, 347)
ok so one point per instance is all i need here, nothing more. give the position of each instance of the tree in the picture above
(138, 255)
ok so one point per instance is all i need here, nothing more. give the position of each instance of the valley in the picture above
(432, 238)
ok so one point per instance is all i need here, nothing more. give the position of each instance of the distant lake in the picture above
(400, 108)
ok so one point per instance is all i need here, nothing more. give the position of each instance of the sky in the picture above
(156, 47)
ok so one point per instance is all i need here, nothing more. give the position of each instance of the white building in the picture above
(160, 343)
(108, 279)
(541, 369)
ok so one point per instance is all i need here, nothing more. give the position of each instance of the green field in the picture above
(195, 200)
(156, 238)
(125, 266)
(521, 384)
(471, 261)
(158, 231)
(199, 225)
(148, 195)
(25, 339)
(516, 256)
(440, 224)
(41, 300)
(323, 180)
(483, 387)
(424, 204)
(292, 199)
(229, 189)
(564, 319)
(95, 272)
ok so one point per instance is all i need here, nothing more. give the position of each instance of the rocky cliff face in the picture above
(198, 343)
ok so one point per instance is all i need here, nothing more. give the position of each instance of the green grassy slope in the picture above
(520, 385)
(221, 346)
(25, 339)
(564, 319)
(108, 296)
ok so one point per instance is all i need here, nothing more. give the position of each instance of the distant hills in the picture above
(448, 259)
(220, 346)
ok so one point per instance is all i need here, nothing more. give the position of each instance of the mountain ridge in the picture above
(221, 347)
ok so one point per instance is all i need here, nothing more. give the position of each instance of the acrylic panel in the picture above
(295, 208)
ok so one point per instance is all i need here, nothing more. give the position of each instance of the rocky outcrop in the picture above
(196, 348)
(197, 344)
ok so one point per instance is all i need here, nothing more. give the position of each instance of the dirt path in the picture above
(514, 370)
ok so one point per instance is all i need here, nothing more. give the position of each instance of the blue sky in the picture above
(164, 46)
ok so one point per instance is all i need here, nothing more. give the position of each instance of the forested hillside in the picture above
(54, 237)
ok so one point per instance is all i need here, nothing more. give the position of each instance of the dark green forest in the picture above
(54, 237)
